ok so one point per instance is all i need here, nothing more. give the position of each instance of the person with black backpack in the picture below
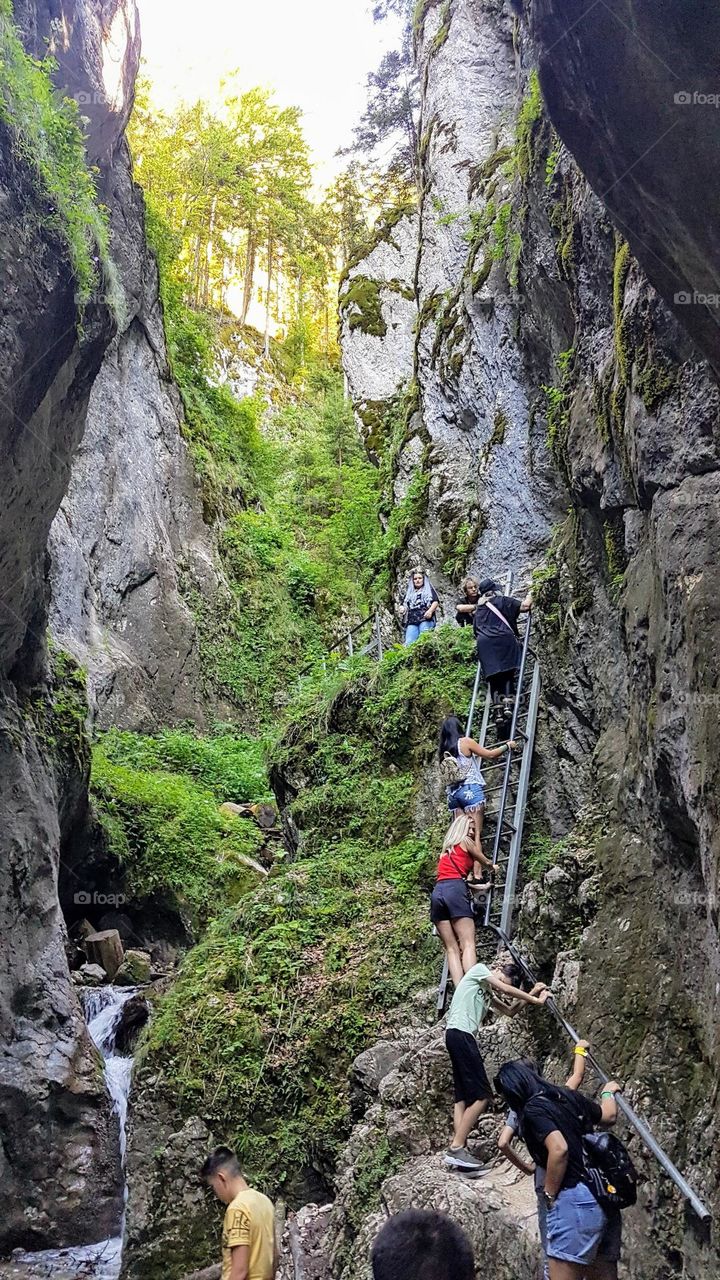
(609, 1249)
(557, 1127)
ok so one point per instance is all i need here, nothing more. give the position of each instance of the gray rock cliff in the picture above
(129, 538)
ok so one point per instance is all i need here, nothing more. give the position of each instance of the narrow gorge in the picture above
(234, 416)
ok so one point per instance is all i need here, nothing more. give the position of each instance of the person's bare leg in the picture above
(458, 1113)
(465, 934)
(566, 1270)
(465, 1123)
(452, 950)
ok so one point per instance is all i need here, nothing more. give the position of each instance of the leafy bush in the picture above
(165, 827)
(231, 767)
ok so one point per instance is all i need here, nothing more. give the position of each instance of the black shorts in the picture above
(469, 1075)
(450, 901)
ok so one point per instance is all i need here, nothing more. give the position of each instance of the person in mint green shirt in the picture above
(474, 996)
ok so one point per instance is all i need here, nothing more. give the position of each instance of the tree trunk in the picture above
(207, 259)
(266, 347)
(249, 274)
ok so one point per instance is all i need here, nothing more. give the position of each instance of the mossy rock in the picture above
(361, 303)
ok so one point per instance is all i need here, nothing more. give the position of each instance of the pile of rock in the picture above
(106, 960)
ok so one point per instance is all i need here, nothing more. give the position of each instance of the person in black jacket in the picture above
(554, 1121)
(498, 643)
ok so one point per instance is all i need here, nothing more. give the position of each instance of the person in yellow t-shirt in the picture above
(249, 1251)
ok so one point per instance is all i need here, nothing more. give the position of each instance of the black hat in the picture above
(487, 585)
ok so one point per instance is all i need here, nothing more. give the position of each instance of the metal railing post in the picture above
(473, 701)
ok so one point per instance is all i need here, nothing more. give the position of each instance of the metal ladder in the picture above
(506, 794)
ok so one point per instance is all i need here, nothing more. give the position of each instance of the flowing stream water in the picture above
(103, 1011)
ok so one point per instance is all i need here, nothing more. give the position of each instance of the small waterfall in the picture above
(103, 1010)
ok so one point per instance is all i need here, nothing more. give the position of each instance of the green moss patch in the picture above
(157, 800)
(361, 302)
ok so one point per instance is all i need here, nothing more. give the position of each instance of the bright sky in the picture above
(315, 54)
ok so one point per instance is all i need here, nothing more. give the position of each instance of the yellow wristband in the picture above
(582, 1053)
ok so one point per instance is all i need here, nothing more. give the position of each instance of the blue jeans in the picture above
(468, 796)
(412, 632)
(576, 1226)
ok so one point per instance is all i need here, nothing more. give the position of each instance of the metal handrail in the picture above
(638, 1124)
(347, 640)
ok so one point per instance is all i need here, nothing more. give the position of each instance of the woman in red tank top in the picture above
(451, 909)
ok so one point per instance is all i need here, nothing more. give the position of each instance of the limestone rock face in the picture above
(633, 61)
(171, 1223)
(129, 542)
(55, 1112)
(378, 312)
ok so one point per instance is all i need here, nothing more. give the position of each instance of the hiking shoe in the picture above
(460, 1158)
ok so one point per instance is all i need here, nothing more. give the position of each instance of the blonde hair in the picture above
(458, 832)
(469, 582)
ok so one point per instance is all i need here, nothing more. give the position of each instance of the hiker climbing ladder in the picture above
(507, 789)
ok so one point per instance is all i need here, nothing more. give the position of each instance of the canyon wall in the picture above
(59, 1161)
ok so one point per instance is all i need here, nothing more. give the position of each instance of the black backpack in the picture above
(611, 1174)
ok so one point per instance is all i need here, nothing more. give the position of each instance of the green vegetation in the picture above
(558, 400)
(286, 987)
(541, 854)
(443, 30)
(621, 268)
(654, 379)
(615, 554)
(47, 136)
(362, 303)
(531, 112)
(157, 801)
(420, 13)
(563, 587)
(457, 545)
(300, 563)
(284, 477)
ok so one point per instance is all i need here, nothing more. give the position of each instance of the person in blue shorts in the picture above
(609, 1250)
(554, 1120)
(463, 755)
